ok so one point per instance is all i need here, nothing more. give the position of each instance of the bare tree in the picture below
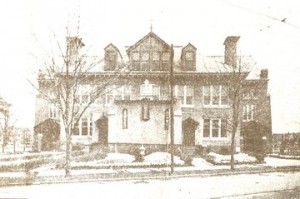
(62, 80)
(234, 90)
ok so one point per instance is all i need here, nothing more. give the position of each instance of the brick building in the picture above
(135, 107)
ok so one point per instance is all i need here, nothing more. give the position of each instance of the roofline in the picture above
(142, 39)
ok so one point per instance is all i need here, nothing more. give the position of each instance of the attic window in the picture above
(165, 56)
(136, 56)
(189, 56)
(145, 56)
(110, 55)
(155, 56)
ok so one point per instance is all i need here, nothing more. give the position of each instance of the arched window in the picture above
(167, 119)
(125, 119)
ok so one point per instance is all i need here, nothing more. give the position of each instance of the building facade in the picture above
(135, 105)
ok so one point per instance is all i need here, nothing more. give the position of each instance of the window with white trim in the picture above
(135, 56)
(189, 56)
(167, 119)
(214, 128)
(248, 112)
(215, 95)
(150, 91)
(82, 95)
(117, 92)
(184, 93)
(124, 118)
(84, 127)
(53, 111)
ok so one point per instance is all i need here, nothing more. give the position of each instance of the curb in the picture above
(123, 176)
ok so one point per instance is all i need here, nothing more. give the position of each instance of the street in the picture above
(266, 185)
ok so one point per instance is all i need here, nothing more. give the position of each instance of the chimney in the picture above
(230, 57)
(264, 74)
(74, 44)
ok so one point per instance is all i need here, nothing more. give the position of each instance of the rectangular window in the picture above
(206, 95)
(145, 56)
(167, 119)
(53, 111)
(135, 56)
(91, 125)
(76, 127)
(165, 56)
(110, 56)
(189, 95)
(248, 112)
(189, 56)
(223, 128)
(215, 128)
(224, 95)
(215, 95)
(84, 126)
(125, 119)
(155, 56)
(127, 92)
(184, 94)
(180, 94)
(206, 128)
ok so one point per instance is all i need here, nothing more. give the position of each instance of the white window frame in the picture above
(114, 90)
(81, 91)
(147, 90)
(185, 89)
(219, 104)
(53, 111)
(248, 112)
(89, 127)
(210, 137)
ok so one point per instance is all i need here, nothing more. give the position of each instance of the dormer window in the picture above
(135, 56)
(111, 56)
(145, 56)
(155, 56)
(165, 56)
(189, 56)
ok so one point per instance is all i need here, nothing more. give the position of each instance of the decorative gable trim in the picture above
(150, 34)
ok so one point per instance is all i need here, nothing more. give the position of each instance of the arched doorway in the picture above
(102, 125)
(188, 128)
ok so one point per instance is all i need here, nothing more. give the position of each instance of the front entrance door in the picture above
(102, 125)
(188, 128)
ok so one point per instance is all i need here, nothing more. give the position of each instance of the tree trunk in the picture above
(232, 151)
(68, 153)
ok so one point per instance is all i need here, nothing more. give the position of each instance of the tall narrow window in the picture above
(206, 128)
(91, 125)
(223, 128)
(206, 95)
(167, 119)
(125, 119)
(248, 112)
(224, 95)
(76, 127)
(215, 128)
(145, 112)
(84, 126)
(53, 111)
(215, 95)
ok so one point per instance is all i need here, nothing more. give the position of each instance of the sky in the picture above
(269, 31)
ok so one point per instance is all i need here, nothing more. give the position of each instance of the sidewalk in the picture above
(45, 175)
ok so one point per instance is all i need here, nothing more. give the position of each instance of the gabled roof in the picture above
(114, 47)
(189, 45)
(150, 34)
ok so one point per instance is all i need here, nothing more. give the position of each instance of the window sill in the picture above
(187, 106)
(216, 106)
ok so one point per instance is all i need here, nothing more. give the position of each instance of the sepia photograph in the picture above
(150, 99)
